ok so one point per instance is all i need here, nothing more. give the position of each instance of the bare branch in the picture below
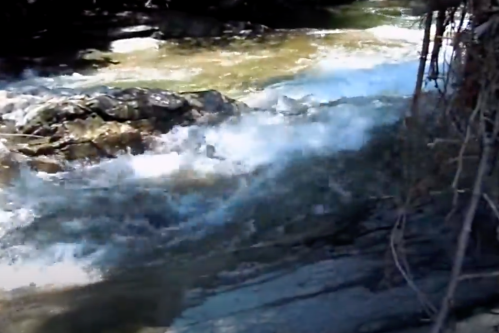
(492, 205)
(460, 159)
(480, 275)
(462, 242)
(422, 65)
(396, 244)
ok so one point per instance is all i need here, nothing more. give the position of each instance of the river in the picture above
(62, 230)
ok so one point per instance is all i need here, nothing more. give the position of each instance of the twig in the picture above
(422, 65)
(472, 276)
(23, 135)
(382, 197)
(440, 140)
(445, 192)
(455, 73)
(457, 159)
(437, 45)
(492, 205)
(396, 241)
(457, 176)
(462, 242)
(345, 195)
(464, 146)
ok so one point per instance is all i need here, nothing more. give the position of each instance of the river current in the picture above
(60, 230)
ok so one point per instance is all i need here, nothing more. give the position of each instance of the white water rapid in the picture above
(79, 220)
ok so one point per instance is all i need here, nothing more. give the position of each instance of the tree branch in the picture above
(463, 241)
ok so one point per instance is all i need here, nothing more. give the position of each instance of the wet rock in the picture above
(289, 107)
(46, 164)
(12, 162)
(355, 289)
(210, 151)
(91, 127)
(245, 28)
(133, 31)
(422, 7)
(180, 24)
(126, 302)
(9, 168)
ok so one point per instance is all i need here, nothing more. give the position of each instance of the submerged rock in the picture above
(102, 125)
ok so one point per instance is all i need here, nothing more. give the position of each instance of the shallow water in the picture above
(62, 229)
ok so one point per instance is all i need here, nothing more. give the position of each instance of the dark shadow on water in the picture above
(54, 37)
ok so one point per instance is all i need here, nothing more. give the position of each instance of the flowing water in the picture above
(62, 229)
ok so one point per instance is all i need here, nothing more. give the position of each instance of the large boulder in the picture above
(92, 127)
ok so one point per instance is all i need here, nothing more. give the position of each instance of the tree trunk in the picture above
(472, 70)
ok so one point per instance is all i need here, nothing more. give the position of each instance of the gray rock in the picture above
(358, 292)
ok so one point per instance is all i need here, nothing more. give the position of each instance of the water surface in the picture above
(62, 229)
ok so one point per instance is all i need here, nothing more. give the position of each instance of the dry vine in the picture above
(469, 96)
